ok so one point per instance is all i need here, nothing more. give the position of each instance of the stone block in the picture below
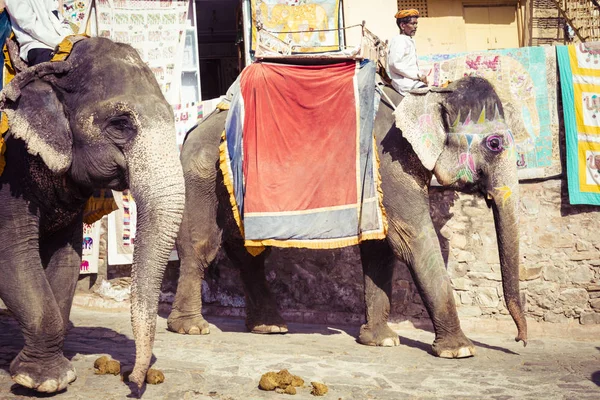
(469, 311)
(581, 274)
(464, 256)
(461, 284)
(485, 276)
(589, 318)
(457, 270)
(458, 241)
(551, 241)
(595, 303)
(555, 318)
(480, 267)
(528, 273)
(582, 246)
(555, 274)
(594, 287)
(487, 297)
(575, 297)
(530, 206)
(583, 255)
(465, 298)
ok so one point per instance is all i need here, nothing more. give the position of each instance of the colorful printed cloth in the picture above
(525, 80)
(580, 84)
(304, 172)
(311, 25)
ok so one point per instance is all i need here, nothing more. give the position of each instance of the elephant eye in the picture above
(120, 129)
(494, 143)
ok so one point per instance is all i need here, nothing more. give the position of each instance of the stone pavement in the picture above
(228, 363)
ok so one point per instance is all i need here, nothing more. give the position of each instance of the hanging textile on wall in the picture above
(525, 80)
(580, 84)
(155, 29)
(90, 248)
(122, 229)
(76, 12)
(311, 25)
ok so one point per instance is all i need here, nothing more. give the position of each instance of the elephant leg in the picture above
(197, 246)
(428, 270)
(262, 315)
(27, 293)
(61, 256)
(378, 268)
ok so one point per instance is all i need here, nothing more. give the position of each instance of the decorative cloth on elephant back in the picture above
(299, 158)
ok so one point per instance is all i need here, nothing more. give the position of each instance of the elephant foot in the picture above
(48, 376)
(378, 335)
(454, 347)
(194, 325)
(271, 323)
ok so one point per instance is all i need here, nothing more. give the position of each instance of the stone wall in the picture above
(560, 267)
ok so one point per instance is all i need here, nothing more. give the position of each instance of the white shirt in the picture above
(402, 66)
(35, 26)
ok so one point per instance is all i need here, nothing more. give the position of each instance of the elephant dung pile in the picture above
(106, 366)
(284, 382)
(153, 376)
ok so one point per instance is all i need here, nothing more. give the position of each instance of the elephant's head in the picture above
(462, 137)
(99, 119)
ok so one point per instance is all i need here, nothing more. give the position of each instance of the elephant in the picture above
(459, 136)
(96, 119)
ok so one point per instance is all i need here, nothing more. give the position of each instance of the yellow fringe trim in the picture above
(223, 106)
(314, 243)
(228, 179)
(98, 207)
(8, 75)
(384, 219)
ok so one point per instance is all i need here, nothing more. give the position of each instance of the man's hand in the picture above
(423, 79)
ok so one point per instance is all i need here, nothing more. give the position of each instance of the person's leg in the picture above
(38, 56)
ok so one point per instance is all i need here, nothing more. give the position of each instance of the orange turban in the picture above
(407, 13)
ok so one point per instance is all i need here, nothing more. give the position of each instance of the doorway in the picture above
(491, 27)
(219, 41)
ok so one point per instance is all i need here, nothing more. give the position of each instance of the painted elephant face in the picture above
(461, 136)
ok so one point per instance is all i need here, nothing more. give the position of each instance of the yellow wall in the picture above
(379, 17)
(443, 31)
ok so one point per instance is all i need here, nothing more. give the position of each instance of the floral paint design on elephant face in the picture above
(427, 126)
(495, 137)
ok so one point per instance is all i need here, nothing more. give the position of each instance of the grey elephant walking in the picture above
(95, 120)
(460, 136)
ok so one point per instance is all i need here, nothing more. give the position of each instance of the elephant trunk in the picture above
(156, 182)
(505, 209)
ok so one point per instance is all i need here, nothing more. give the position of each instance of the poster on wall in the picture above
(155, 29)
(122, 229)
(187, 116)
(90, 253)
(310, 25)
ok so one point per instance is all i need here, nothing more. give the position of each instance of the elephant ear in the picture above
(36, 116)
(421, 120)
